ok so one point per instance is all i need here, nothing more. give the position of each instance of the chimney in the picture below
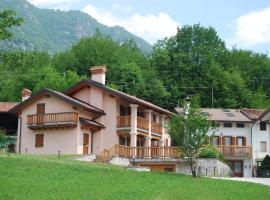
(26, 94)
(99, 73)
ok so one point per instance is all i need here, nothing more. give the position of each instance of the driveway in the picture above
(264, 181)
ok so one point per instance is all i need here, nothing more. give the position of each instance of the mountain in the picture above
(55, 30)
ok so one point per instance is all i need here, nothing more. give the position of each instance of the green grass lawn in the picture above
(33, 177)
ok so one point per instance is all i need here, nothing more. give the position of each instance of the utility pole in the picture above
(212, 97)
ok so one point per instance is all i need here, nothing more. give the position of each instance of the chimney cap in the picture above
(103, 68)
(26, 91)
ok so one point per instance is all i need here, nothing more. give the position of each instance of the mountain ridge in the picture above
(55, 30)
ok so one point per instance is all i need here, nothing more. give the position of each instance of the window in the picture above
(124, 111)
(262, 126)
(240, 125)
(227, 125)
(238, 167)
(215, 140)
(141, 114)
(39, 140)
(40, 108)
(240, 141)
(227, 140)
(168, 169)
(154, 118)
(263, 146)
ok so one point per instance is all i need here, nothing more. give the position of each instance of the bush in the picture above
(210, 151)
(2, 136)
(266, 161)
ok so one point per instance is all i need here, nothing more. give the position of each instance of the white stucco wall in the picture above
(64, 139)
(259, 136)
(233, 131)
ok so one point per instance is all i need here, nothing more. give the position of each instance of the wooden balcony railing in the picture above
(235, 150)
(139, 152)
(142, 123)
(52, 118)
(156, 128)
(123, 121)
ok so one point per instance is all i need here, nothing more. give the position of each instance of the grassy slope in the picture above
(26, 177)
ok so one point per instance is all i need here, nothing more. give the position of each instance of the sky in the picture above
(240, 23)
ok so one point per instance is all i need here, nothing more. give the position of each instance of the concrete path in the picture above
(264, 181)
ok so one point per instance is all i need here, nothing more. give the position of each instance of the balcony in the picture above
(231, 150)
(52, 120)
(140, 152)
(142, 124)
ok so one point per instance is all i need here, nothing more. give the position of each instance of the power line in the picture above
(64, 73)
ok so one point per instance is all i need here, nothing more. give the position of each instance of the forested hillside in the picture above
(194, 61)
(55, 30)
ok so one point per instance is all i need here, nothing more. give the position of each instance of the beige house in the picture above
(90, 118)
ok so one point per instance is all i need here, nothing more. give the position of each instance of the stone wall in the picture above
(120, 161)
(206, 167)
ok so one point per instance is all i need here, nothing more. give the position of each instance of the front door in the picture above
(236, 167)
(85, 143)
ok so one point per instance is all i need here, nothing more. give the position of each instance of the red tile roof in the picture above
(252, 114)
(6, 106)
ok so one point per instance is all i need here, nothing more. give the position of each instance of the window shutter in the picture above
(234, 141)
(244, 141)
(39, 140)
(220, 140)
(40, 108)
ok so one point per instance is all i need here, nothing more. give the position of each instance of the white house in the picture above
(242, 135)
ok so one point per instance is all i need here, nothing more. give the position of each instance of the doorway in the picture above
(85, 143)
(236, 167)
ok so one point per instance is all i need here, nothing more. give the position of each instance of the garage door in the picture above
(160, 167)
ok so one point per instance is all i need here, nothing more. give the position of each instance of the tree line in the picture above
(195, 61)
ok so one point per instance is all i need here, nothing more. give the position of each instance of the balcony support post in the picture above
(149, 137)
(162, 123)
(133, 125)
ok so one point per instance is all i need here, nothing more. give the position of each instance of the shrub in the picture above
(2, 136)
(266, 161)
(210, 151)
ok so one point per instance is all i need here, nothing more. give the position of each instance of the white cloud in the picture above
(253, 28)
(150, 27)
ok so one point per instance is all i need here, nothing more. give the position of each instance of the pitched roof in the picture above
(78, 103)
(222, 115)
(122, 95)
(230, 115)
(252, 114)
(91, 122)
(6, 106)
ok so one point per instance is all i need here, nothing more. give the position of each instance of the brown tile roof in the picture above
(252, 114)
(80, 104)
(222, 115)
(91, 122)
(127, 97)
(6, 106)
(230, 115)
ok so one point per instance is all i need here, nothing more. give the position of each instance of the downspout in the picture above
(251, 142)
(20, 134)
